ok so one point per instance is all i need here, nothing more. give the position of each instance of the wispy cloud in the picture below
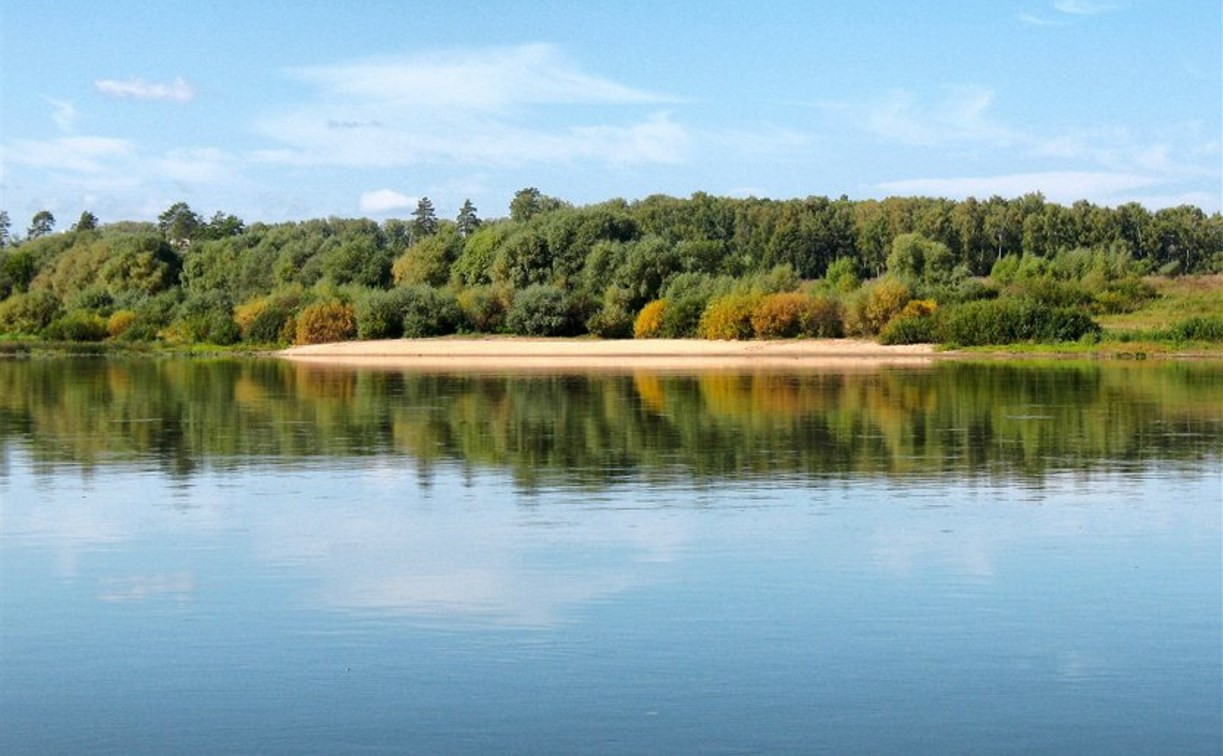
(490, 107)
(1035, 20)
(63, 114)
(960, 116)
(81, 154)
(1083, 7)
(138, 89)
(1058, 186)
(490, 78)
(382, 201)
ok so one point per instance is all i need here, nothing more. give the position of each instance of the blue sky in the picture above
(283, 110)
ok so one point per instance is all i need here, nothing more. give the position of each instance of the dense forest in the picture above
(898, 269)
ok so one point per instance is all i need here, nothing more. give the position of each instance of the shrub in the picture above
(204, 318)
(1123, 295)
(380, 314)
(648, 324)
(540, 310)
(484, 308)
(427, 311)
(77, 326)
(825, 318)
(119, 322)
(28, 313)
(917, 308)
(842, 275)
(780, 316)
(1005, 321)
(875, 304)
(914, 324)
(909, 329)
(245, 313)
(326, 321)
(153, 314)
(682, 317)
(270, 322)
(95, 298)
(728, 317)
(1208, 328)
(613, 320)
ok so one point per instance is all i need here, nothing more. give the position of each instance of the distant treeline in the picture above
(662, 266)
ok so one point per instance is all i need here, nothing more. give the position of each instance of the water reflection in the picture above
(593, 430)
(202, 555)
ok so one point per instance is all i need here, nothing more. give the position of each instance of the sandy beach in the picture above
(519, 353)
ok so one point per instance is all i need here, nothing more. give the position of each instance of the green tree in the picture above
(179, 224)
(5, 225)
(467, 222)
(223, 225)
(41, 224)
(525, 205)
(87, 222)
(424, 219)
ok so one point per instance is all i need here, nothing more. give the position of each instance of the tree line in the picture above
(656, 266)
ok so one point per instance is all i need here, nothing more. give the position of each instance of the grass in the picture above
(1176, 299)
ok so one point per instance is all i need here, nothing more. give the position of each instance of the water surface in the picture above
(253, 556)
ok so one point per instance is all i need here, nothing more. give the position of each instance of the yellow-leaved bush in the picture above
(728, 317)
(326, 321)
(648, 323)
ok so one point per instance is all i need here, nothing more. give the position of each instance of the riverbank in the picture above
(659, 354)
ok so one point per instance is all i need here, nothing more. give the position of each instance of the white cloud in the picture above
(195, 166)
(1083, 7)
(63, 114)
(491, 107)
(385, 201)
(79, 154)
(959, 117)
(1057, 186)
(139, 89)
(1034, 20)
(490, 78)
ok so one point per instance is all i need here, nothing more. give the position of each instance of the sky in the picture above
(293, 109)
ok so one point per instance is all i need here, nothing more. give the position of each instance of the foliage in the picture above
(324, 322)
(1201, 328)
(475, 262)
(871, 307)
(205, 318)
(77, 326)
(682, 316)
(824, 318)
(28, 313)
(909, 329)
(540, 310)
(119, 322)
(484, 308)
(612, 320)
(648, 324)
(426, 311)
(612, 258)
(42, 224)
(269, 320)
(729, 317)
(842, 275)
(428, 261)
(1008, 321)
(787, 315)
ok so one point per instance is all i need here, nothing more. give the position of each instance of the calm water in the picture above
(249, 556)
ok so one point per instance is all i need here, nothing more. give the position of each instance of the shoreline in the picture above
(526, 353)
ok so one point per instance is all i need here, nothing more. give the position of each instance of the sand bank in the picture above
(518, 353)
